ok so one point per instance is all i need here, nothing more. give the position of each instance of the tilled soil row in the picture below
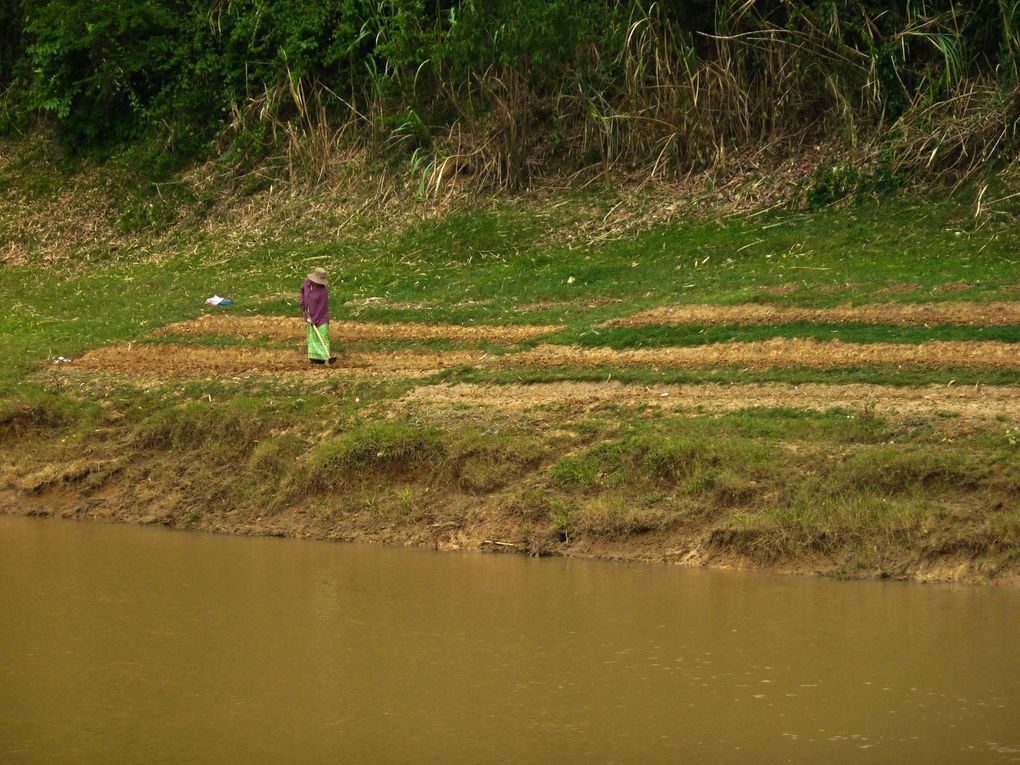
(784, 352)
(977, 403)
(285, 328)
(176, 360)
(199, 362)
(995, 313)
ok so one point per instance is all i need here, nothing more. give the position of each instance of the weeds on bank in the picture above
(227, 428)
(469, 459)
(768, 483)
(35, 413)
(778, 483)
(827, 526)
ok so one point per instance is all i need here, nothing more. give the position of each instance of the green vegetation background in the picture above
(507, 87)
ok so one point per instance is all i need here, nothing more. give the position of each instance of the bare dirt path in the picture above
(286, 328)
(994, 313)
(967, 403)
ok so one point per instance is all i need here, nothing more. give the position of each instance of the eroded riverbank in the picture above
(852, 481)
(817, 391)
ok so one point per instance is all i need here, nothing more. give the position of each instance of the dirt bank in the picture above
(492, 526)
(913, 483)
(993, 313)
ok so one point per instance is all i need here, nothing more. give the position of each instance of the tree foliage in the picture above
(584, 80)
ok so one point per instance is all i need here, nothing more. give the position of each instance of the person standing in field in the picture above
(315, 304)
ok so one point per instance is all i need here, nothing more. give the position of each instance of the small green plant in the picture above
(832, 184)
(562, 514)
(405, 502)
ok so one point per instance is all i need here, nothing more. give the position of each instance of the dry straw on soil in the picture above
(173, 360)
(970, 403)
(994, 313)
(201, 362)
(783, 352)
(283, 329)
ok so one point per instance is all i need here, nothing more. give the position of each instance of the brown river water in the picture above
(121, 644)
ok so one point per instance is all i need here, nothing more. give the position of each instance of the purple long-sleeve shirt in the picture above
(315, 302)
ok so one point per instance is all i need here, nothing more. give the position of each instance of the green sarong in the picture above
(318, 342)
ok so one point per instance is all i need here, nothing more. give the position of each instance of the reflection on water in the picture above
(122, 644)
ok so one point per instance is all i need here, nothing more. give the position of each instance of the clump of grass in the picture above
(398, 449)
(831, 426)
(589, 469)
(38, 411)
(616, 516)
(273, 458)
(724, 487)
(229, 428)
(675, 459)
(695, 463)
(891, 468)
(483, 461)
(1004, 526)
(56, 474)
(826, 526)
(470, 459)
(531, 504)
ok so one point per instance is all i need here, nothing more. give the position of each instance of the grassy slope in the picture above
(479, 267)
(870, 495)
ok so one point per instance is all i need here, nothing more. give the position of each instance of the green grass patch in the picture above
(34, 412)
(472, 459)
(231, 427)
(905, 376)
(483, 266)
(694, 463)
(828, 526)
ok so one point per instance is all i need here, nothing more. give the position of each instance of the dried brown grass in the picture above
(961, 312)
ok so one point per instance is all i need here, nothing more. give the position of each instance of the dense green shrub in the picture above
(523, 81)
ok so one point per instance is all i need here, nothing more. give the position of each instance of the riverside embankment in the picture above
(856, 479)
(831, 391)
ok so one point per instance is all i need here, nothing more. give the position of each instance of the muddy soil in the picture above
(994, 313)
(966, 404)
(285, 329)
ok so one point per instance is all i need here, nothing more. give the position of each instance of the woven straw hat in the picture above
(318, 276)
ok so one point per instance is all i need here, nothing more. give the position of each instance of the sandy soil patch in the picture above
(286, 328)
(968, 402)
(967, 313)
(783, 352)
